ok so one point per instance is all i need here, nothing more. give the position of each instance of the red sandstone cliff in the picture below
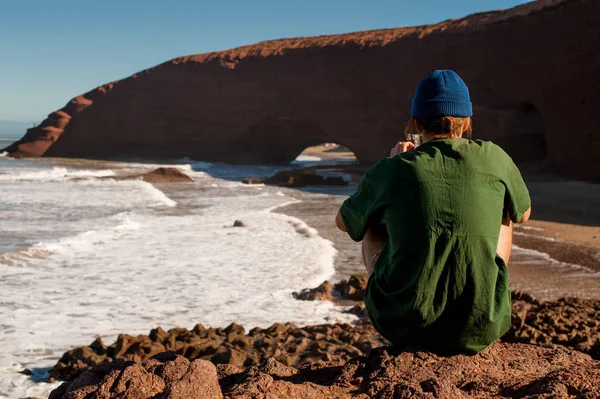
(533, 72)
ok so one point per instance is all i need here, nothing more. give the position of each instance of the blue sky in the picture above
(51, 51)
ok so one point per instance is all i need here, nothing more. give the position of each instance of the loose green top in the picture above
(439, 282)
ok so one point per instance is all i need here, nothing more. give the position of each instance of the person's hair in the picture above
(441, 127)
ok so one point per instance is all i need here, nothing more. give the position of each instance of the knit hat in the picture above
(443, 93)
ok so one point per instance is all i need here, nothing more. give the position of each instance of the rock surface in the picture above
(563, 324)
(298, 178)
(352, 289)
(286, 343)
(159, 175)
(532, 72)
(569, 323)
(166, 175)
(502, 370)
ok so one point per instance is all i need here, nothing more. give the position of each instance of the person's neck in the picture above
(430, 137)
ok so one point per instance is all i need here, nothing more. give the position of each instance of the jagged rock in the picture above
(159, 175)
(166, 376)
(303, 177)
(354, 288)
(567, 322)
(502, 370)
(289, 343)
(166, 175)
(323, 292)
(297, 178)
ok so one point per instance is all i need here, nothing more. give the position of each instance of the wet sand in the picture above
(561, 243)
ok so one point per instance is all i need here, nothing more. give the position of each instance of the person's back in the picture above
(439, 282)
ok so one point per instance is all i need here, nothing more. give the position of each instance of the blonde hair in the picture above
(441, 127)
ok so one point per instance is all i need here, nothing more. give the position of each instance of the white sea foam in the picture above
(519, 227)
(88, 240)
(105, 257)
(540, 237)
(54, 174)
(534, 256)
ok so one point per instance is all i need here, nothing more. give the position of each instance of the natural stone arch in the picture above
(279, 140)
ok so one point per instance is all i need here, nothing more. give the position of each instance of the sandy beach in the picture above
(565, 225)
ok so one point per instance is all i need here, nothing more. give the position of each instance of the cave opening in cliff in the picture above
(326, 153)
(526, 143)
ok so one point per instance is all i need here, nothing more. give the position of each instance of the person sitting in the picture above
(435, 221)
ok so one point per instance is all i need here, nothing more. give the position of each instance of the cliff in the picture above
(532, 71)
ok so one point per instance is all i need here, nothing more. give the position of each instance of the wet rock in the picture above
(322, 292)
(303, 177)
(298, 178)
(160, 175)
(166, 175)
(354, 288)
(75, 362)
(239, 223)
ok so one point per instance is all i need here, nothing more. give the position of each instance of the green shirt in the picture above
(439, 282)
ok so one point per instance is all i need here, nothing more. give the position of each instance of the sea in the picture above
(82, 257)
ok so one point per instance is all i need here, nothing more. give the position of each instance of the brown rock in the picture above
(354, 288)
(75, 362)
(302, 178)
(160, 175)
(200, 382)
(239, 223)
(225, 106)
(565, 323)
(322, 292)
(502, 370)
(166, 175)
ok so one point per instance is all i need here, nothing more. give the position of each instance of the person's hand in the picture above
(402, 146)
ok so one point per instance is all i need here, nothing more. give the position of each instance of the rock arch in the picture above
(532, 72)
(279, 140)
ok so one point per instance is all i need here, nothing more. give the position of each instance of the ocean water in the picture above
(82, 257)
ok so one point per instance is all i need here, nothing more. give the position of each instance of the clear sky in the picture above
(51, 51)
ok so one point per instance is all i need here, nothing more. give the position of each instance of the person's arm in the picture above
(339, 222)
(517, 201)
(526, 216)
(364, 207)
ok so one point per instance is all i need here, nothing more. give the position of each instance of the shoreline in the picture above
(565, 221)
(318, 211)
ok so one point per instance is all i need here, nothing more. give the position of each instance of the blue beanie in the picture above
(443, 93)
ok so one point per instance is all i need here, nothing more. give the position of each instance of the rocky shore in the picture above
(338, 360)
(297, 178)
(502, 370)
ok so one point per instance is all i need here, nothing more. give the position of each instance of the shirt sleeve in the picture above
(517, 200)
(363, 208)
